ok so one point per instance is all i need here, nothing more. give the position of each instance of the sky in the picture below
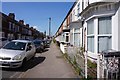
(37, 14)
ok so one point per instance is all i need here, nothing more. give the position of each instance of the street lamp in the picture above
(49, 26)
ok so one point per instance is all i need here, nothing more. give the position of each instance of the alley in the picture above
(53, 66)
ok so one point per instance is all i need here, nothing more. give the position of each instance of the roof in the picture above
(24, 41)
(93, 4)
(67, 15)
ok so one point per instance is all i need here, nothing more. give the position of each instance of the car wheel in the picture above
(42, 50)
(34, 56)
(24, 62)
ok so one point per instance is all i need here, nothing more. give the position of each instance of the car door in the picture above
(29, 51)
(42, 45)
(33, 49)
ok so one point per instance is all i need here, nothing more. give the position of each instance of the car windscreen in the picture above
(15, 46)
(37, 43)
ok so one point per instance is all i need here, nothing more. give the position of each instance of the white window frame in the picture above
(105, 34)
(78, 36)
(91, 35)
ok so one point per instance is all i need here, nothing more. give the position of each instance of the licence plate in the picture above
(3, 62)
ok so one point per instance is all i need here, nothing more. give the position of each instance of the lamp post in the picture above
(49, 26)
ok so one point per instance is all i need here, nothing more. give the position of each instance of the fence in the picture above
(77, 59)
(107, 66)
(81, 62)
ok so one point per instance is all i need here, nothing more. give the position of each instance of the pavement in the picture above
(52, 65)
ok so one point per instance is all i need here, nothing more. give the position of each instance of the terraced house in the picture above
(93, 25)
(13, 29)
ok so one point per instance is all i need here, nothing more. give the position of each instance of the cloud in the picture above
(36, 27)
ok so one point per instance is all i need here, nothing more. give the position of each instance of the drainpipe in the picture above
(86, 64)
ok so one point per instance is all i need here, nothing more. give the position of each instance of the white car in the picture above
(15, 53)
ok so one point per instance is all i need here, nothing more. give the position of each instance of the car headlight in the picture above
(18, 57)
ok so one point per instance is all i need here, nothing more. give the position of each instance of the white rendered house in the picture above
(94, 25)
(101, 27)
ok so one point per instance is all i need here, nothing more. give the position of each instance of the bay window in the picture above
(104, 43)
(77, 37)
(90, 27)
(90, 35)
(71, 38)
(90, 40)
(104, 34)
(104, 25)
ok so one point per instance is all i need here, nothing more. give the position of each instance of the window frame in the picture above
(105, 34)
(91, 34)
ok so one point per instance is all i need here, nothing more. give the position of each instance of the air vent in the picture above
(5, 58)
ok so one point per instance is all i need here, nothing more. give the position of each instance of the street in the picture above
(48, 64)
(14, 73)
(60, 39)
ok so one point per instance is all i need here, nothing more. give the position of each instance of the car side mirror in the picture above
(29, 48)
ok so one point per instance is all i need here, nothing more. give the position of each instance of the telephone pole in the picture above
(50, 27)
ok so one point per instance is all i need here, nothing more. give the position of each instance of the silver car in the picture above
(15, 53)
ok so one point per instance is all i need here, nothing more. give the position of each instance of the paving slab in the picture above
(54, 65)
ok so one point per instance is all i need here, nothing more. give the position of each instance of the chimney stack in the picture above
(31, 27)
(27, 25)
(21, 22)
(12, 15)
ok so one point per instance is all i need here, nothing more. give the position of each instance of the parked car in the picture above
(3, 41)
(46, 43)
(39, 45)
(15, 53)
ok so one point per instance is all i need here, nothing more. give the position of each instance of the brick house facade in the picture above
(13, 29)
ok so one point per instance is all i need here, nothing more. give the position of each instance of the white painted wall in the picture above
(93, 1)
(59, 38)
(62, 48)
(81, 3)
(95, 37)
(85, 3)
(119, 29)
(75, 12)
(116, 31)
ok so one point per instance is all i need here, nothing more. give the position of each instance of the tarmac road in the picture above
(48, 64)
(15, 73)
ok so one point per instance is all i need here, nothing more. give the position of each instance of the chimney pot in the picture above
(27, 25)
(21, 22)
(12, 15)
